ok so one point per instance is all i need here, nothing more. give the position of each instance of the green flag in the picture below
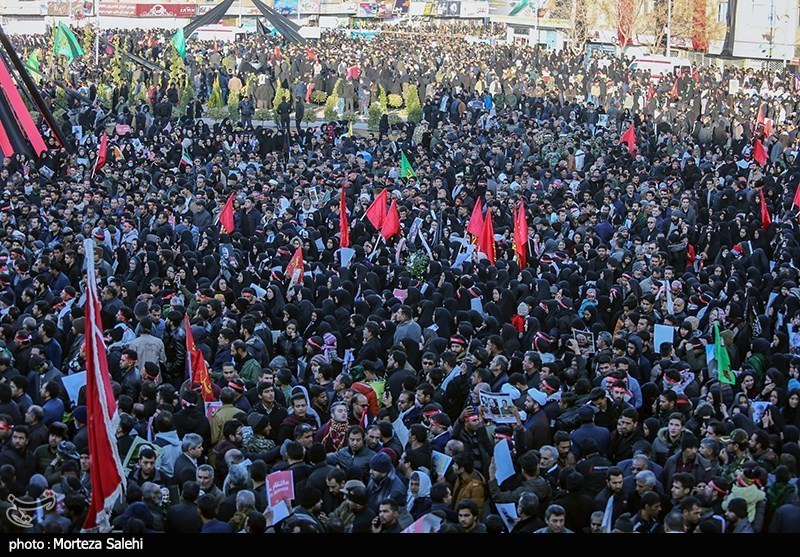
(723, 360)
(179, 41)
(32, 64)
(406, 171)
(66, 44)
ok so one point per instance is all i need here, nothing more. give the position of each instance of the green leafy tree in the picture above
(88, 40)
(383, 99)
(413, 105)
(215, 98)
(331, 111)
(187, 94)
(177, 68)
(120, 71)
(374, 116)
(233, 104)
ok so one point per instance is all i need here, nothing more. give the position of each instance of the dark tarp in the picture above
(132, 57)
(213, 16)
(285, 27)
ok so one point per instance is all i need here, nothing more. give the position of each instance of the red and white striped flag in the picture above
(108, 478)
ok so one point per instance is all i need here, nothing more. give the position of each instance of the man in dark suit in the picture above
(186, 464)
(182, 518)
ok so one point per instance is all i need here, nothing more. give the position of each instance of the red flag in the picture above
(767, 127)
(475, 224)
(295, 269)
(760, 117)
(102, 153)
(277, 51)
(344, 230)
(674, 92)
(759, 153)
(696, 75)
(108, 478)
(521, 235)
(226, 216)
(629, 139)
(198, 368)
(796, 200)
(311, 55)
(766, 220)
(376, 213)
(391, 226)
(486, 239)
(650, 92)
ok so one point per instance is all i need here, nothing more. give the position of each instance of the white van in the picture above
(659, 66)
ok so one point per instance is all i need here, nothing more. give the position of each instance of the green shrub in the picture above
(395, 101)
(350, 116)
(218, 112)
(233, 104)
(374, 116)
(310, 115)
(413, 106)
(262, 114)
(383, 99)
(332, 104)
(215, 98)
(319, 97)
(394, 118)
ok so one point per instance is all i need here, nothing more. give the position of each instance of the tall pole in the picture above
(97, 33)
(669, 28)
(240, 14)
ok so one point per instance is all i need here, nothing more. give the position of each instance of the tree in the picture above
(215, 98)
(233, 104)
(177, 68)
(88, 39)
(120, 71)
(584, 17)
(187, 94)
(413, 106)
(331, 111)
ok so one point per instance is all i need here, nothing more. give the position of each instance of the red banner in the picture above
(147, 10)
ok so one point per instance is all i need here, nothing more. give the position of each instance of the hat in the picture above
(7, 298)
(351, 484)
(66, 450)
(586, 413)
(308, 497)
(381, 462)
(597, 393)
(58, 428)
(538, 396)
(358, 494)
(257, 421)
(80, 414)
(440, 419)
(624, 524)
(589, 446)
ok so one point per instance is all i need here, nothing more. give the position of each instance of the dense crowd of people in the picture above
(366, 376)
